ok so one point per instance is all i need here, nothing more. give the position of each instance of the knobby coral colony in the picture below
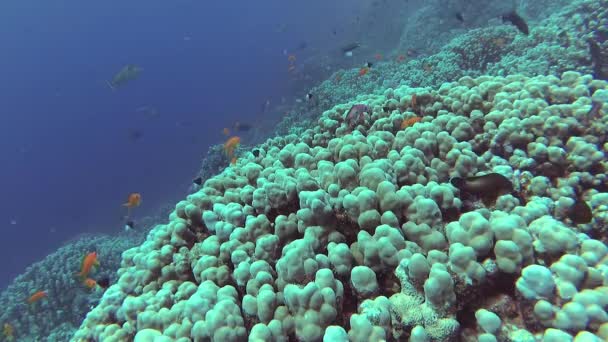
(358, 229)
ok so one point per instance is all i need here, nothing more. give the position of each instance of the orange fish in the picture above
(88, 262)
(226, 131)
(291, 58)
(410, 121)
(400, 58)
(363, 71)
(378, 56)
(36, 297)
(133, 201)
(231, 144)
(90, 283)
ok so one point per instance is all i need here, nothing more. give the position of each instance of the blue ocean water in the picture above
(69, 159)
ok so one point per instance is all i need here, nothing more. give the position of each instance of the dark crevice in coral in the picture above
(497, 294)
(450, 214)
(349, 307)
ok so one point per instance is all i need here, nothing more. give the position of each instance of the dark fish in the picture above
(303, 45)
(256, 152)
(517, 21)
(595, 109)
(600, 67)
(356, 115)
(459, 17)
(129, 225)
(490, 185)
(198, 180)
(350, 47)
(309, 96)
(128, 73)
(580, 213)
(134, 134)
(386, 109)
(369, 64)
(103, 282)
(242, 127)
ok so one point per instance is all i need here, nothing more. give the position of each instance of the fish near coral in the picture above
(36, 297)
(134, 200)
(488, 186)
(363, 71)
(356, 115)
(410, 121)
(230, 145)
(90, 283)
(88, 262)
(517, 21)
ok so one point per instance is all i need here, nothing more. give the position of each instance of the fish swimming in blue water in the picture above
(128, 73)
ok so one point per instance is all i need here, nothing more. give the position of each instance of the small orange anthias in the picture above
(36, 297)
(90, 283)
(410, 121)
(88, 262)
(134, 200)
(230, 146)
(363, 71)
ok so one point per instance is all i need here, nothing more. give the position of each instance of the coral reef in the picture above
(57, 316)
(354, 232)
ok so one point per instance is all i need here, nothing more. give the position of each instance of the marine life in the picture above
(103, 282)
(242, 126)
(309, 96)
(36, 297)
(490, 185)
(129, 225)
(128, 73)
(230, 146)
(134, 134)
(356, 115)
(198, 180)
(134, 200)
(348, 49)
(400, 58)
(256, 152)
(580, 212)
(378, 56)
(363, 71)
(88, 262)
(459, 16)
(89, 283)
(410, 121)
(517, 21)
